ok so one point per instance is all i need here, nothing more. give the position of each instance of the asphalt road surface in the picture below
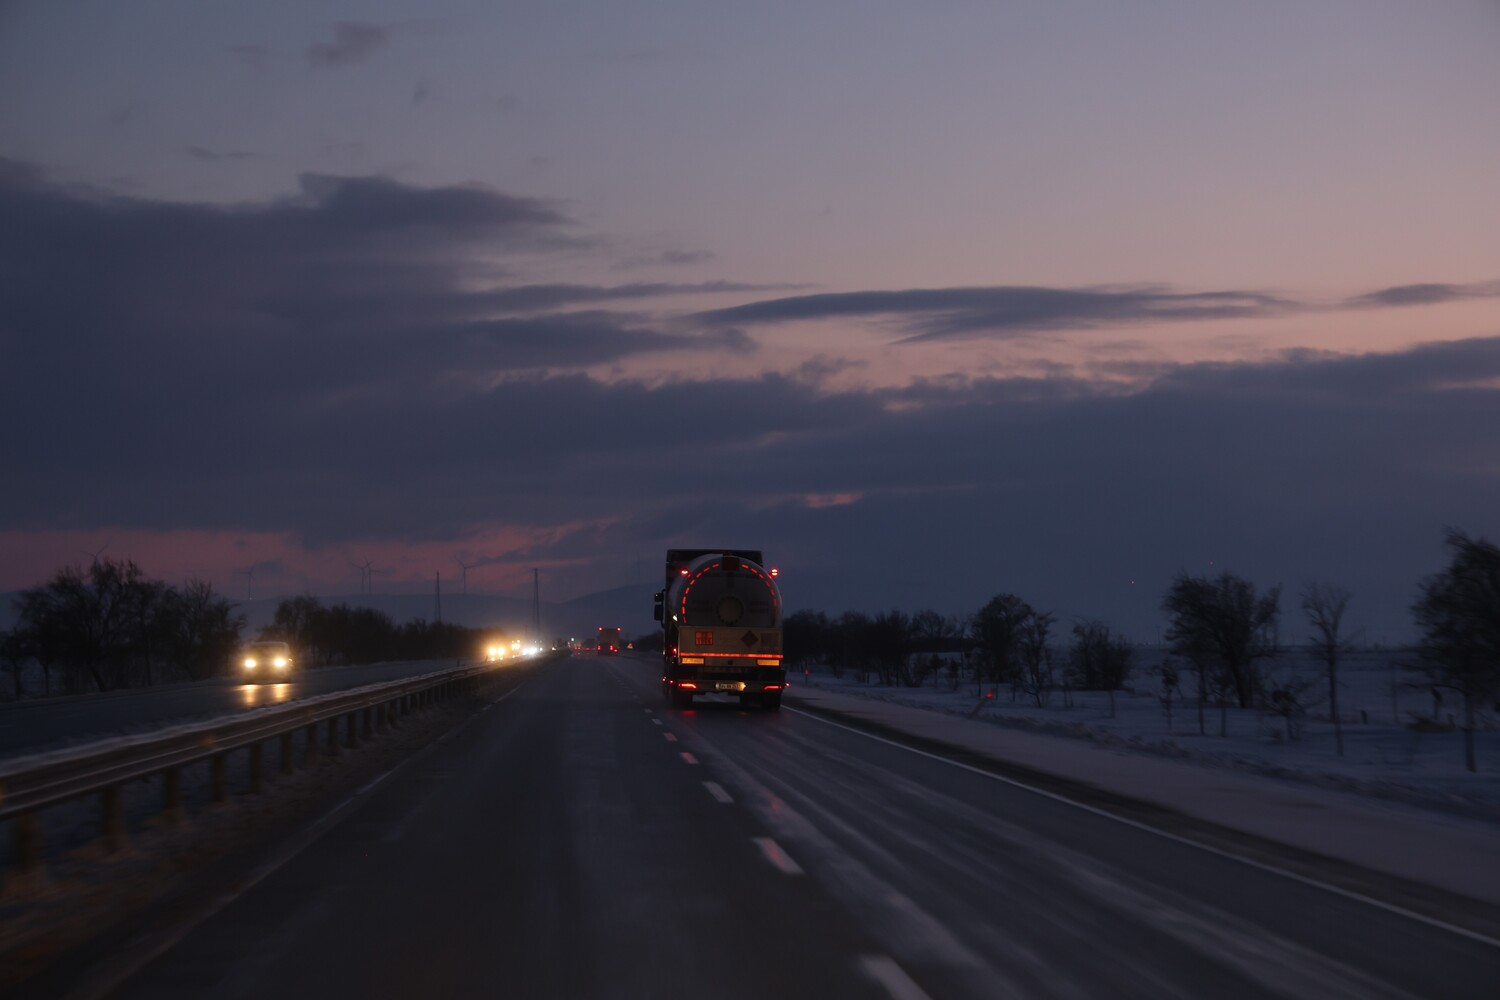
(580, 839)
(46, 723)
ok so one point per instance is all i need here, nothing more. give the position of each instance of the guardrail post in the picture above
(310, 752)
(366, 725)
(112, 804)
(27, 844)
(171, 795)
(333, 736)
(286, 752)
(351, 730)
(218, 777)
(255, 766)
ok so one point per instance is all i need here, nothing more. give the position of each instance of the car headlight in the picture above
(280, 661)
(249, 663)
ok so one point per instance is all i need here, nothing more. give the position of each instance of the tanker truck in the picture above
(720, 612)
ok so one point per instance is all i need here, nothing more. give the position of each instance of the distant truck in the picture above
(720, 612)
(609, 641)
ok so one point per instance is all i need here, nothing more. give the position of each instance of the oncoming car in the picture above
(265, 661)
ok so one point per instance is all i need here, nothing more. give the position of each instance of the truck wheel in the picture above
(682, 699)
(771, 701)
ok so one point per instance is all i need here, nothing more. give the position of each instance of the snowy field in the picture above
(1386, 752)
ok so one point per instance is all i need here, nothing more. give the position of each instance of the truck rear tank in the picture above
(720, 611)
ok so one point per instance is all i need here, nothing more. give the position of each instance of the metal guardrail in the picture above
(31, 784)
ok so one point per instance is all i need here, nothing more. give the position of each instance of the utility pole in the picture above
(437, 594)
(536, 602)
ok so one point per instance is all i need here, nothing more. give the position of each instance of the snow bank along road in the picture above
(579, 839)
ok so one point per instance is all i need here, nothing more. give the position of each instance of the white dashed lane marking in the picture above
(671, 738)
(688, 758)
(884, 970)
(717, 791)
(777, 856)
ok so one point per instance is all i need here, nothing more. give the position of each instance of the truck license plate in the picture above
(727, 686)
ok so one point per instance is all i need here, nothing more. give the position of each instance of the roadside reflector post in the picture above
(256, 756)
(113, 806)
(26, 843)
(171, 795)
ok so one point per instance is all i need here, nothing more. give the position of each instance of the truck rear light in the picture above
(687, 685)
(772, 687)
(768, 663)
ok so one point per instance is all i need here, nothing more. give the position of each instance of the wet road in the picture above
(579, 839)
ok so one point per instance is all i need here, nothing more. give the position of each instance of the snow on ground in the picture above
(1385, 755)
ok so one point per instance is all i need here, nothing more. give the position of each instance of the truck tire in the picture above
(682, 699)
(771, 701)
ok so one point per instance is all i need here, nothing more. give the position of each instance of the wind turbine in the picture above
(466, 567)
(364, 575)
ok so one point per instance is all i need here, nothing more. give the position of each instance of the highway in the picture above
(579, 839)
(45, 723)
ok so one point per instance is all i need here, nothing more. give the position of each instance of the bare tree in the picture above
(890, 638)
(13, 657)
(1100, 659)
(1223, 628)
(1458, 612)
(204, 629)
(1324, 606)
(1034, 677)
(83, 622)
(1169, 688)
(997, 628)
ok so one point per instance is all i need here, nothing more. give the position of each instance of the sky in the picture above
(930, 302)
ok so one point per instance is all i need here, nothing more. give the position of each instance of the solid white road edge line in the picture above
(1336, 890)
(777, 856)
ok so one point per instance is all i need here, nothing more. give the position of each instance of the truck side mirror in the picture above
(657, 610)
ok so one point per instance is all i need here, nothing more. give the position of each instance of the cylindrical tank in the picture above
(724, 591)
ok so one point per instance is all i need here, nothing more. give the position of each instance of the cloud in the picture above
(352, 285)
(670, 258)
(214, 156)
(253, 55)
(1424, 295)
(329, 368)
(353, 42)
(531, 298)
(1005, 311)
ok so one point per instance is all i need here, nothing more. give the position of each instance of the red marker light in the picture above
(775, 572)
